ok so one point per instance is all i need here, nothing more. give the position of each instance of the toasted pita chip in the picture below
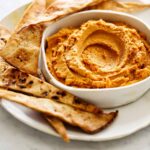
(88, 122)
(58, 125)
(22, 49)
(120, 6)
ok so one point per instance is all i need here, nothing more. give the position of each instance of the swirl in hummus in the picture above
(98, 54)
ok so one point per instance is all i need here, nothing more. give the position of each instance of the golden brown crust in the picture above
(61, 8)
(88, 122)
(22, 49)
(59, 127)
(17, 80)
(120, 6)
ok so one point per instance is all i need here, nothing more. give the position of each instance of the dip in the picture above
(98, 54)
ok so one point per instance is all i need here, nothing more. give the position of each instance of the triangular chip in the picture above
(120, 6)
(88, 122)
(58, 125)
(22, 49)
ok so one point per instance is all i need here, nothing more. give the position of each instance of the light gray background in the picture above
(14, 135)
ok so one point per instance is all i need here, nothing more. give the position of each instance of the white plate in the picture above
(132, 117)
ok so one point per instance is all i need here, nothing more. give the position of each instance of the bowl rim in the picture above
(59, 84)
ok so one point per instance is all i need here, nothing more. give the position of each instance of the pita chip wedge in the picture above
(88, 122)
(59, 127)
(22, 49)
(120, 6)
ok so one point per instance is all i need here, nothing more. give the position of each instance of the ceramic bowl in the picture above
(103, 97)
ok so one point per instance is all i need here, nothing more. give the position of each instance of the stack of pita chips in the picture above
(19, 78)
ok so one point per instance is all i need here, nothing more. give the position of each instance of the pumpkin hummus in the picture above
(98, 54)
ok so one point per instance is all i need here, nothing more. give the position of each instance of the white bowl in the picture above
(105, 97)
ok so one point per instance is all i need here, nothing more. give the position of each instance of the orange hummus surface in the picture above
(98, 54)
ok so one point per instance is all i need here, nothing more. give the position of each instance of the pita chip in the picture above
(59, 127)
(22, 49)
(88, 122)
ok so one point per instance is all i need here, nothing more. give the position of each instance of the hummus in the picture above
(98, 54)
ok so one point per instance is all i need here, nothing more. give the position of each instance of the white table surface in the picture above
(14, 135)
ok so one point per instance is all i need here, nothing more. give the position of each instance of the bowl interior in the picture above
(76, 20)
